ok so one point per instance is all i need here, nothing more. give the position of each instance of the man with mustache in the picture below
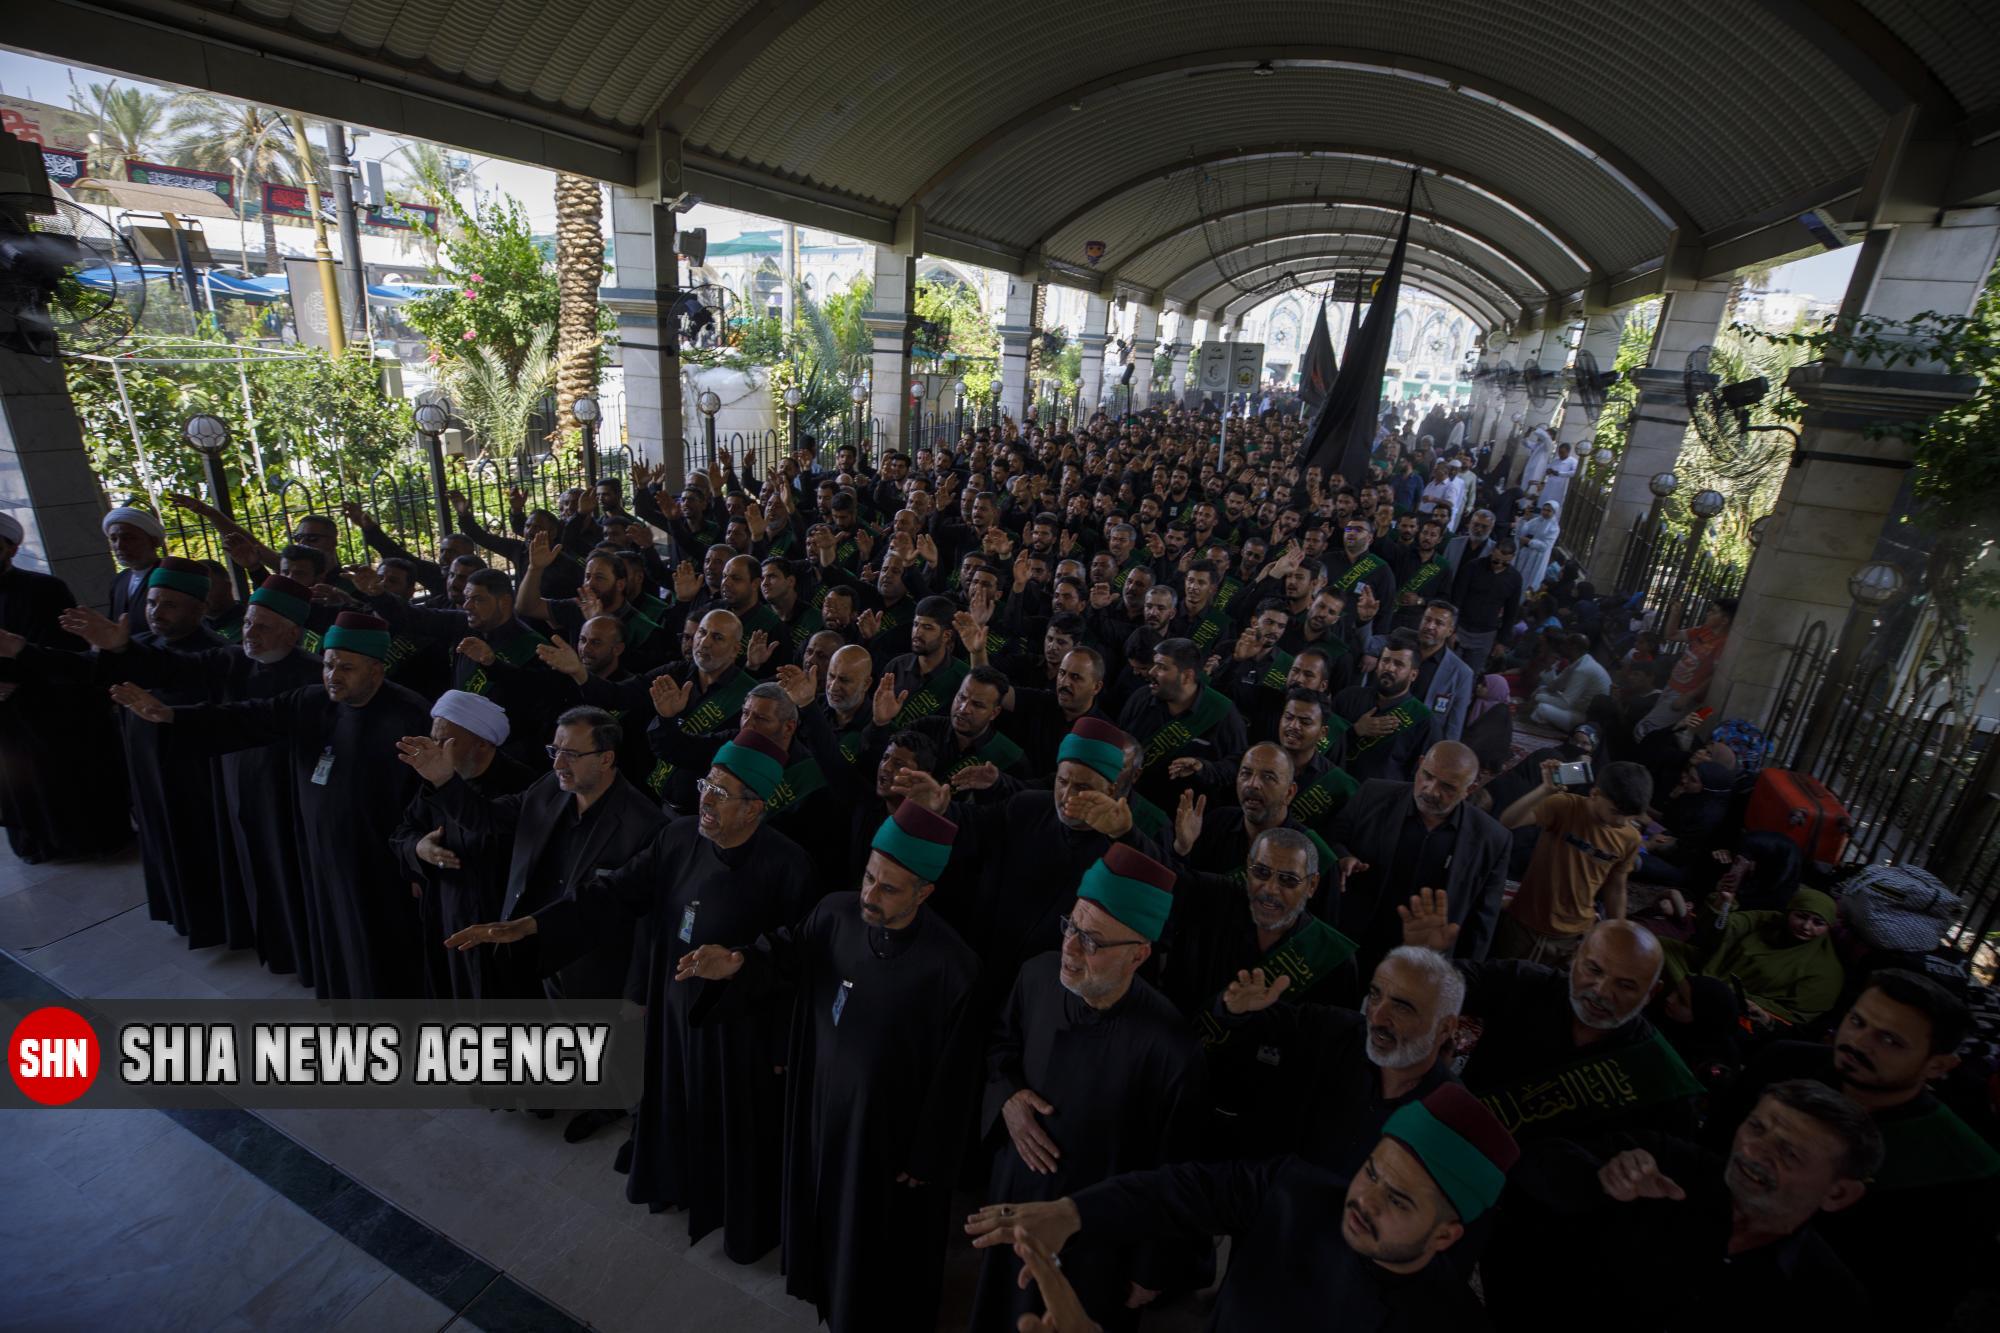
(878, 1075)
(1315, 1250)
(1914, 1241)
(1545, 1034)
(1738, 1230)
(1091, 1073)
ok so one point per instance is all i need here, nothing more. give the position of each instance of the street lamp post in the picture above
(792, 399)
(958, 413)
(433, 415)
(913, 435)
(210, 437)
(1875, 587)
(859, 394)
(708, 405)
(586, 412)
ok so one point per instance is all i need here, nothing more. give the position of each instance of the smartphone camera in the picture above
(1573, 776)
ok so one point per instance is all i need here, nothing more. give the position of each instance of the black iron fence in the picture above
(1677, 574)
(1584, 506)
(1920, 780)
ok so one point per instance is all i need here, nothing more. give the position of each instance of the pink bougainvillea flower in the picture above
(470, 293)
(434, 358)
(478, 277)
(468, 335)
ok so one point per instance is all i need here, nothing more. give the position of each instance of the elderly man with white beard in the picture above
(1353, 1067)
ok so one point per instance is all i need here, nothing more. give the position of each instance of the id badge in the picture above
(1442, 704)
(324, 769)
(840, 1000)
(687, 922)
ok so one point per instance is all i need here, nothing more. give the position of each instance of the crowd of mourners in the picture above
(1141, 836)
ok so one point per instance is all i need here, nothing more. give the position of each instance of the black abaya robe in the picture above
(263, 895)
(362, 919)
(708, 1135)
(878, 1079)
(450, 900)
(58, 797)
(1127, 1087)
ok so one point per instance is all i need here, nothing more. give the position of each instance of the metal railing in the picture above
(1677, 575)
(1920, 781)
(1584, 506)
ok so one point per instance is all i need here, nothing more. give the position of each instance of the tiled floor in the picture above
(378, 1220)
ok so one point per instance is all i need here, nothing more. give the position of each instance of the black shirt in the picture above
(1486, 601)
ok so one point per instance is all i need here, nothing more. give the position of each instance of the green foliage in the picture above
(972, 346)
(497, 398)
(1749, 475)
(1635, 344)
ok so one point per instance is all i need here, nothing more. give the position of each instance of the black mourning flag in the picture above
(1345, 428)
(1316, 374)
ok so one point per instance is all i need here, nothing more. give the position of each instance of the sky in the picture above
(1823, 276)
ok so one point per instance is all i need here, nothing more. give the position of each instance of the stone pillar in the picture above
(1546, 351)
(46, 482)
(1858, 426)
(1688, 320)
(1499, 349)
(1090, 386)
(1017, 327)
(1184, 345)
(648, 272)
(889, 325)
(1145, 340)
(1600, 339)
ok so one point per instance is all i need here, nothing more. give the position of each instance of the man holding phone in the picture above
(1586, 850)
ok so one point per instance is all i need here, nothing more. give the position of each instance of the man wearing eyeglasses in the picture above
(706, 1134)
(1091, 1072)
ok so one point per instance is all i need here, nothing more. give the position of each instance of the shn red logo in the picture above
(53, 1056)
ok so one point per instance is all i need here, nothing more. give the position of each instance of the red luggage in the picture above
(1798, 806)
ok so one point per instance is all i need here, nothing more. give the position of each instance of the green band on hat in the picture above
(179, 580)
(759, 772)
(925, 860)
(368, 642)
(292, 608)
(1468, 1177)
(1103, 756)
(1142, 906)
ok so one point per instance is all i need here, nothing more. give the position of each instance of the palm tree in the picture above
(497, 401)
(430, 172)
(579, 270)
(127, 123)
(253, 141)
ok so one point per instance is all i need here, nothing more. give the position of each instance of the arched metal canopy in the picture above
(1019, 128)
(1333, 259)
(1415, 280)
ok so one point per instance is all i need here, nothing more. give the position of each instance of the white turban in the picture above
(476, 713)
(11, 529)
(138, 518)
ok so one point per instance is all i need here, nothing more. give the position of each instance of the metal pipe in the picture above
(329, 286)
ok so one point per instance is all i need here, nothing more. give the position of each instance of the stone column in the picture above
(1600, 339)
(46, 481)
(1546, 351)
(889, 325)
(1858, 426)
(1185, 343)
(1491, 428)
(1017, 327)
(1090, 386)
(1145, 340)
(1688, 320)
(648, 272)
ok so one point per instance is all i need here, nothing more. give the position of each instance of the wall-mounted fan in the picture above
(68, 281)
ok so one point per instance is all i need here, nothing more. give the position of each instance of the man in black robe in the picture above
(263, 897)
(56, 799)
(1180, 722)
(1388, 726)
(1091, 1074)
(1314, 1250)
(457, 873)
(708, 1132)
(136, 538)
(340, 736)
(879, 1079)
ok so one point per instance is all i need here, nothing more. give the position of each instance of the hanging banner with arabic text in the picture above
(218, 183)
(292, 201)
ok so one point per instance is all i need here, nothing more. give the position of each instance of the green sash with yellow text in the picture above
(1356, 572)
(935, 694)
(1322, 798)
(997, 751)
(719, 707)
(1209, 709)
(800, 781)
(1308, 956)
(1586, 1092)
(1409, 713)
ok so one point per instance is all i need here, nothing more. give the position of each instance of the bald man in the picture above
(850, 676)
(1570, 1054)
(1393, 838)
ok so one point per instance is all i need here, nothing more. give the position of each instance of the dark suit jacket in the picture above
(619, 831)
(1366, 828)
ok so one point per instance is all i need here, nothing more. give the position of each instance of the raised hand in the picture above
(976, 778)
(142, 703)
(971, 633)
(365, 579)
(979, 605)
(758, 651)
(1049, 1225)
(541, 551)
(1188, 820)
(888, 701)
(495, 932)
(1104, 813)
(434, 763)
(559, 657)
(869, 623)
(711, 962)
(432, 851)
(1031, 1141)
(800, 685)
(1350, 866)
(476, 650)
(459, 504)
(99, 631)
(1183, 767)
(1366, 603)
(670, 698)
(922, 788)
(687, 581)
(1427, 922)
(1635, 1175)
(1253, 992)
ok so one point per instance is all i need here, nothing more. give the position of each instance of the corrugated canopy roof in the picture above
(1562, 145)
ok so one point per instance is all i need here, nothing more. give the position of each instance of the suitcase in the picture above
(1799, 807)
